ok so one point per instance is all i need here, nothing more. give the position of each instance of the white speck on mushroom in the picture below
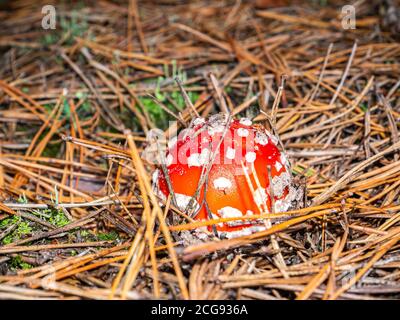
(261, 138)
(245, 121)
(205, 156)
(201, 233)
(281, 205)
(240, 233)
(250, 156)
(242, 132)
(280, 182)
(230, 212)
(249, 213)
(278, 166)
(257, 229)
(198, 121)
(230, 153)
(198, 159)
(194, 160)
(182, 201)
(235, 234)
(260, 196)
(222, 183)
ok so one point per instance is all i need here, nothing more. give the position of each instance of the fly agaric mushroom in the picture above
(221, 168)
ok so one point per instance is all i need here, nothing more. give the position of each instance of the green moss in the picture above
(17, 263)
(8, 239)
(111, 236)
(9, 221)
(23, 228)
(53, 216)
(26, 227)
(58, 218)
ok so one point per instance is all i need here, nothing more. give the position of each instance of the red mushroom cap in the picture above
(236, 159)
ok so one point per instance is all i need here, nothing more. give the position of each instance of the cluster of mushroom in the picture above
(226, 168)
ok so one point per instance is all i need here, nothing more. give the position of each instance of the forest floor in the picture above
(76, 103)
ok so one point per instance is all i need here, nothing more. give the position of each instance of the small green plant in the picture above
(158, 115)
(23, 228)
(17, 263)
(364, 107)
(8, 221)
(22, 199)
(86, 235)
(58, 218)
(111, 236)
(54, 216)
